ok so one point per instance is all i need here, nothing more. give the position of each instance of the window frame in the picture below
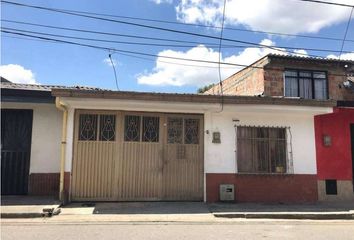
(297, 70)
(98, 114)
(287, 160)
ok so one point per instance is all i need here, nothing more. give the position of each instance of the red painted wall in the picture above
(264, 188)
(335, 161)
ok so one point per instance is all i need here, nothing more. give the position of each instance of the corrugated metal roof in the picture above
(188, 97)
(39, 87)
(308, 58)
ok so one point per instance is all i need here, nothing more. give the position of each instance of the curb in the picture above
(310, 216)
(46, 213)
(22, 215)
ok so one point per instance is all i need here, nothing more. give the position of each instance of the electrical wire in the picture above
(219, 69)
(148, 26)
(141, 53)
(114, 70)
(328, 3)
(159, 39)
(203, 25)
(346, 31)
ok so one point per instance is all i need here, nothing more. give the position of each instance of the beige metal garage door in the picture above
(133, 156)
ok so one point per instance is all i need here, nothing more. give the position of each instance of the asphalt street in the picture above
(242, 229)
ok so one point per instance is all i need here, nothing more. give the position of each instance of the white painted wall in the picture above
(220, 158)
(46, 136)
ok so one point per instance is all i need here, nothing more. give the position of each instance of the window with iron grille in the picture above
(261, 150)
(183, 130)
(141, 128)
(305, 84)
(93, 127)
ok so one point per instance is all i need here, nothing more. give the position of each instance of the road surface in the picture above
(170, 231)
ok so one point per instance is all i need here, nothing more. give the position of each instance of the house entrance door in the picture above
(16, 134)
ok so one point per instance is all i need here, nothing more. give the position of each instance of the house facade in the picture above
(30, 136)
(289, 141)
(128, 146)
(310, 78)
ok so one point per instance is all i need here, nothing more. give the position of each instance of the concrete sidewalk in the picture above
(181, 211)
(28, 206)
(319, 210)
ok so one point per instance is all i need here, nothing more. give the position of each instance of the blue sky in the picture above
(63, 64)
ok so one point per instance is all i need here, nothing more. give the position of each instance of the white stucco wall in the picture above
(46, 136)
(220, 158)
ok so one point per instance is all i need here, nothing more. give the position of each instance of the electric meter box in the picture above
(227, 192)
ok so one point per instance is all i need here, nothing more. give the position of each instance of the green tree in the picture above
(205, 88)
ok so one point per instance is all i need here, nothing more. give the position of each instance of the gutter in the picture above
(63, 108)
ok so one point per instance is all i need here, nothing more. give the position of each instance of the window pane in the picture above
(277, 150)
(291, 87)
(191, 131)
(87, 127)
(107, 127)
(319, 75)
(245, 150)
(305, 88)
(174, 130)
(305, 74)
(261, 150)
(132, 128)
(151, 129)
(320, 89)
(291, 73)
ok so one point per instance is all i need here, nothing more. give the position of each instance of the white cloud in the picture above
(267, 15)
(180, 75)
(109, 63)
(300, 52)
(344, 56)
(17, 74)
(161, 1)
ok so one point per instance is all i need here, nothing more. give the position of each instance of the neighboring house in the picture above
(31, 129)
(292, 76)
(310, 78)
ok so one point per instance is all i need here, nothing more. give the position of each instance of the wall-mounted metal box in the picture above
(216, 137)
(227, 192)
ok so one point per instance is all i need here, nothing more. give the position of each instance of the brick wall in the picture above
(248, 81)
(47, 183)
(264, 188)
(274, 83)
(270, 80)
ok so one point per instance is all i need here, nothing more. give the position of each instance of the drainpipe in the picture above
(63, 108)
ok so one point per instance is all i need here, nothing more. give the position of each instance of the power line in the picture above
(114, 70)
(119, 50)
(328, 3)
(152, 59)
(140, 53)
(109, 41)
(219, 69)
(346, 31)
(169, 45)
(203, 25)
(102, 33)
(149, 26)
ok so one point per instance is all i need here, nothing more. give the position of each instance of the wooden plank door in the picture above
(16, 134)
